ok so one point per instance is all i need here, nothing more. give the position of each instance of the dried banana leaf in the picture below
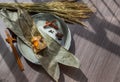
(51, 56)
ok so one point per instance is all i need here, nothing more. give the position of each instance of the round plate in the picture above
(40, 20)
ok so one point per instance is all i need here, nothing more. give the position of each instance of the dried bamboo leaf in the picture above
(54, 54)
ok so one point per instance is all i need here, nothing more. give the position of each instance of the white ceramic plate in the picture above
(40, 20)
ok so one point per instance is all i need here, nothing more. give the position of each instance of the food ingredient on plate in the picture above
(51, 24)
(38, 44)
(59, 35)
(51, 31)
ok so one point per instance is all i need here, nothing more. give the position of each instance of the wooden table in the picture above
(98, 49)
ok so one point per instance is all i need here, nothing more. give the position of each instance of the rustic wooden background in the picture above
(98, 49)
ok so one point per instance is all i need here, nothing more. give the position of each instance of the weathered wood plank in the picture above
(98, 49)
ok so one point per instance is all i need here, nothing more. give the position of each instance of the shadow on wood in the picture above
(74, 73)
(10, 62)
(40, 78)
(100, 26)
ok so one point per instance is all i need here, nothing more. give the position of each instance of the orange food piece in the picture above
(38, 44)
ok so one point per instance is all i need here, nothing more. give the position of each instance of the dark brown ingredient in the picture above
(59, 36)
(51, 31)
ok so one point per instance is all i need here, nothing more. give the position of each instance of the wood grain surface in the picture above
(98, 49)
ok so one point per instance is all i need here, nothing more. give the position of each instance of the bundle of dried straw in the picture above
(72, 12)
